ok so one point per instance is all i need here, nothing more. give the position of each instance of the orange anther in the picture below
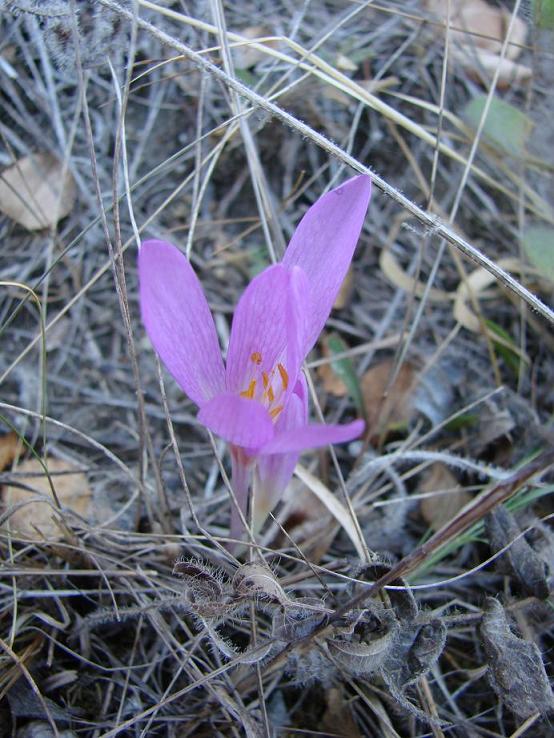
(275, 412)
(256, 357)
(265, 380)
(249, 393)
(270, 393)
(284, 376)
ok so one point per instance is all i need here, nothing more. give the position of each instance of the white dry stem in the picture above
(435, 224)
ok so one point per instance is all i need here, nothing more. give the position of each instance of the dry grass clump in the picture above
(401, 589)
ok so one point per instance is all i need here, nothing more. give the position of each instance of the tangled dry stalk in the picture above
(402, 587)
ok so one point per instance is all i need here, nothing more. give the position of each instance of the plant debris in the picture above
(29, 503)
(519, 560)
(37, 191)
(401, 585)
(515, 668)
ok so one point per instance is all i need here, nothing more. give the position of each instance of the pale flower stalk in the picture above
(258, 400)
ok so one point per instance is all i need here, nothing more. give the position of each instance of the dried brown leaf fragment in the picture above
(37, 191)
(388, 405)
(477, 30)
(445, 496)
(10, 447)
(36, 520)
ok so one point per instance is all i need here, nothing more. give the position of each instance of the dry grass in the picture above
(173, 123)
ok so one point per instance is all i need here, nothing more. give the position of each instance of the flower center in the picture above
(267, 388)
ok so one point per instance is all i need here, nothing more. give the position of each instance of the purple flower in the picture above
(258, 401)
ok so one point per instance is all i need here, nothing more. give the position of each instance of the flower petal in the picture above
(298, 310)
(312, 436)
(178, 320)
(301, 391)
(274, 472)
(323, 245)
(269, 328)
(241, 466)
(237, 420)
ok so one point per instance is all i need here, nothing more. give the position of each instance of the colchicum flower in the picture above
(258, 400)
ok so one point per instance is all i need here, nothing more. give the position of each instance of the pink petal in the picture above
(237, 420)
(274, 472)
(240, 480)
(301, 390)
(178, 320)
(323, 245)
(312, 436)
(269, 328)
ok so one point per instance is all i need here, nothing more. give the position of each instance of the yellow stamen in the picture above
(270, 393)
(265, 380)
(284, 376)
(274, 413)
(256, 357)
(249, 393)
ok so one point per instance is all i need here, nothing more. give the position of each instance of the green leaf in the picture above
(460, 422)
(544, 13)
(246, 76)
(506, 127)
(344, 369)
(259, 261)
(538, 244)
(504, 347)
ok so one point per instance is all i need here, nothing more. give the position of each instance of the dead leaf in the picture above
(509, 72)
(476, 282)
(399, 278)
(10, 447)
(31, 192)
(339, 377)
(477, 32)
(396, 406)
(439, 509)
(332, 383)
(36, 521)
